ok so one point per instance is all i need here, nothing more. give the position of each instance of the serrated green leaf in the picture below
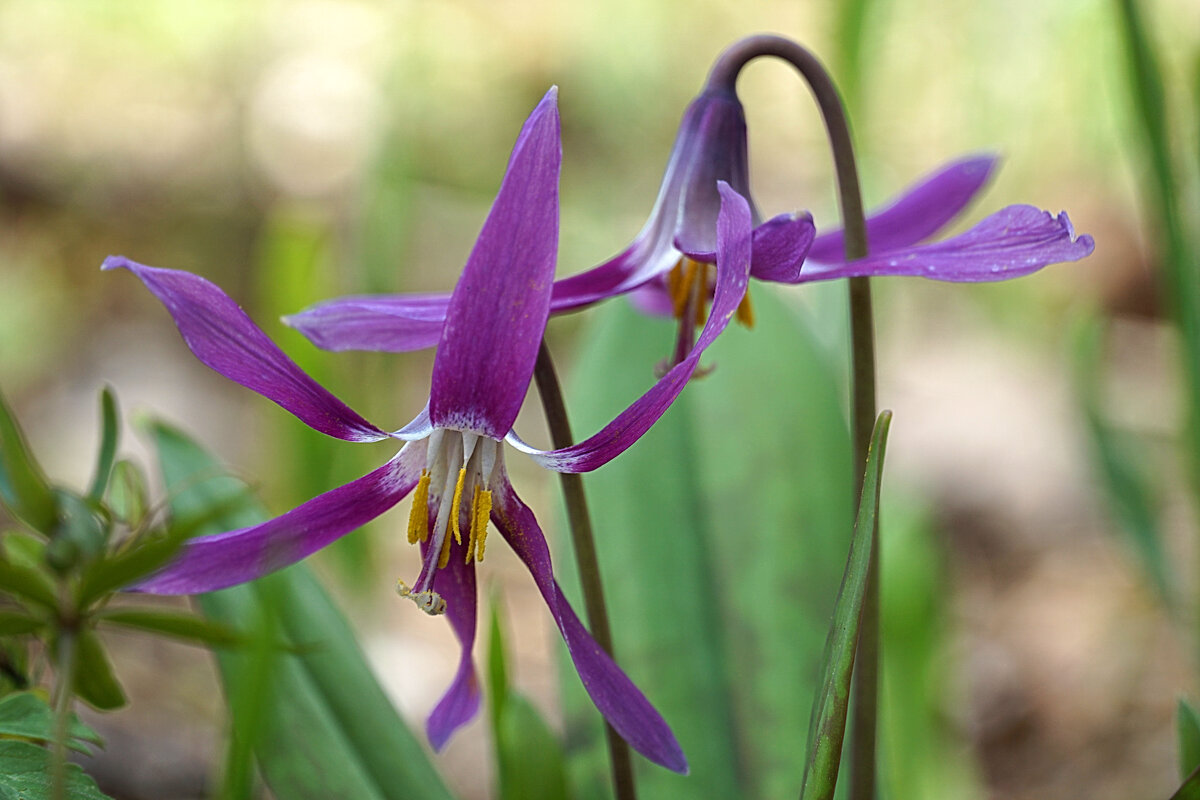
(329, 729)
(15, 623)
(23, 487)
(177, 624)
(827, 727)
(29, 716)
(1187, 726)
(110, 433)
(94, 681)
(529, 757)
(25, 775)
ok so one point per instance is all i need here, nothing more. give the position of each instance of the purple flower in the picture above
(669, 264)
(452, 461)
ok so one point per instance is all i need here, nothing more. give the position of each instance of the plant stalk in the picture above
(862, 354)
(63, 691)
(586, 561)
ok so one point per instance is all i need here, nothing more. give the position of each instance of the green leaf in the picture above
(110, 431)
(15, 623)
(127, 495)
(1190, 790)
(654, 544)
(328, 728)
(94, 681)
(827, 728)
(1120, 463)
(27, 584)
(79, 535)
(1187, 725)
(179, 625)
(29, 716)
(529, 757)
(23, 487)
(25, 775)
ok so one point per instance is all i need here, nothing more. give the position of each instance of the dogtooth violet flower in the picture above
(669, 264)
(452, 460)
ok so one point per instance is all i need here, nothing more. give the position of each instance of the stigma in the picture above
(452, 504)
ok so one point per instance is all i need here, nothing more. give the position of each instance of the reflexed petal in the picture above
(615, 696)
(387, 323)
(419, 428)
(780, 246)
(208, 563)
(499, 308)
(456, 584)
(1012, 242)
(642, 261)
(917, 214)
(221, 335)
(653, 298)
(733, 267)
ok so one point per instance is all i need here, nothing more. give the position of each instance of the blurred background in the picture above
(292, 150)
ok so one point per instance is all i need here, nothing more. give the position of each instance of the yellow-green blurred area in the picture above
(293, 150)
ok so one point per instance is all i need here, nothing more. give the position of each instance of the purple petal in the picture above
(644, 260)
(780, 246)
(208, 563)
(221, 335)
(653, 298)
(499, 308)
(615, 696)
(920, 212)
(733, 267)
(456, 584)
(388, 323)
(1014, 241)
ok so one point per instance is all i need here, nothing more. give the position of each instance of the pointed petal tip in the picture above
(116, 262)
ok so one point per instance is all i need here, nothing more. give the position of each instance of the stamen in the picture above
(481, 509)
(418, 517)
(680, 281)
(454, 510)
(429, 601)
(745, 311)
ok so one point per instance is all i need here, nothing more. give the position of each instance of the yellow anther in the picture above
(454, 508)
(745, 311)
(481, 510)
(418, 517)
(444, 555)
(680, 281)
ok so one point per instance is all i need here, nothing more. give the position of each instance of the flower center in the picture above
(690, 285)
(451, 498)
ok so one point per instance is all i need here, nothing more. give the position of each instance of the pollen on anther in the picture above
(418, 517)
(481, 510)
(745, 311)
(455, 505)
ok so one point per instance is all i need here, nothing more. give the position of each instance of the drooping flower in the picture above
(452, 461)
(668, 267)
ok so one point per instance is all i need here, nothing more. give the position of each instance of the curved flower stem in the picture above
(862, 347)
(550, 392)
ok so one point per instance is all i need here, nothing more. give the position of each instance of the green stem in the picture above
(862, 353)
(62, 714)
(580, 522)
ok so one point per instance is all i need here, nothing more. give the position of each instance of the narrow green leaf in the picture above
(1120, 463)
(127, 495)
(654, 544)
(23, 487)
(110, 432)
(828, 722)
(27, 584)
(529, 757)
(29, 716)
(1187, 725)
(1190, 790)
(95, 682)
(25, 775)
(179, 625)
(777, 482)
(15, 623)
(329, 729)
